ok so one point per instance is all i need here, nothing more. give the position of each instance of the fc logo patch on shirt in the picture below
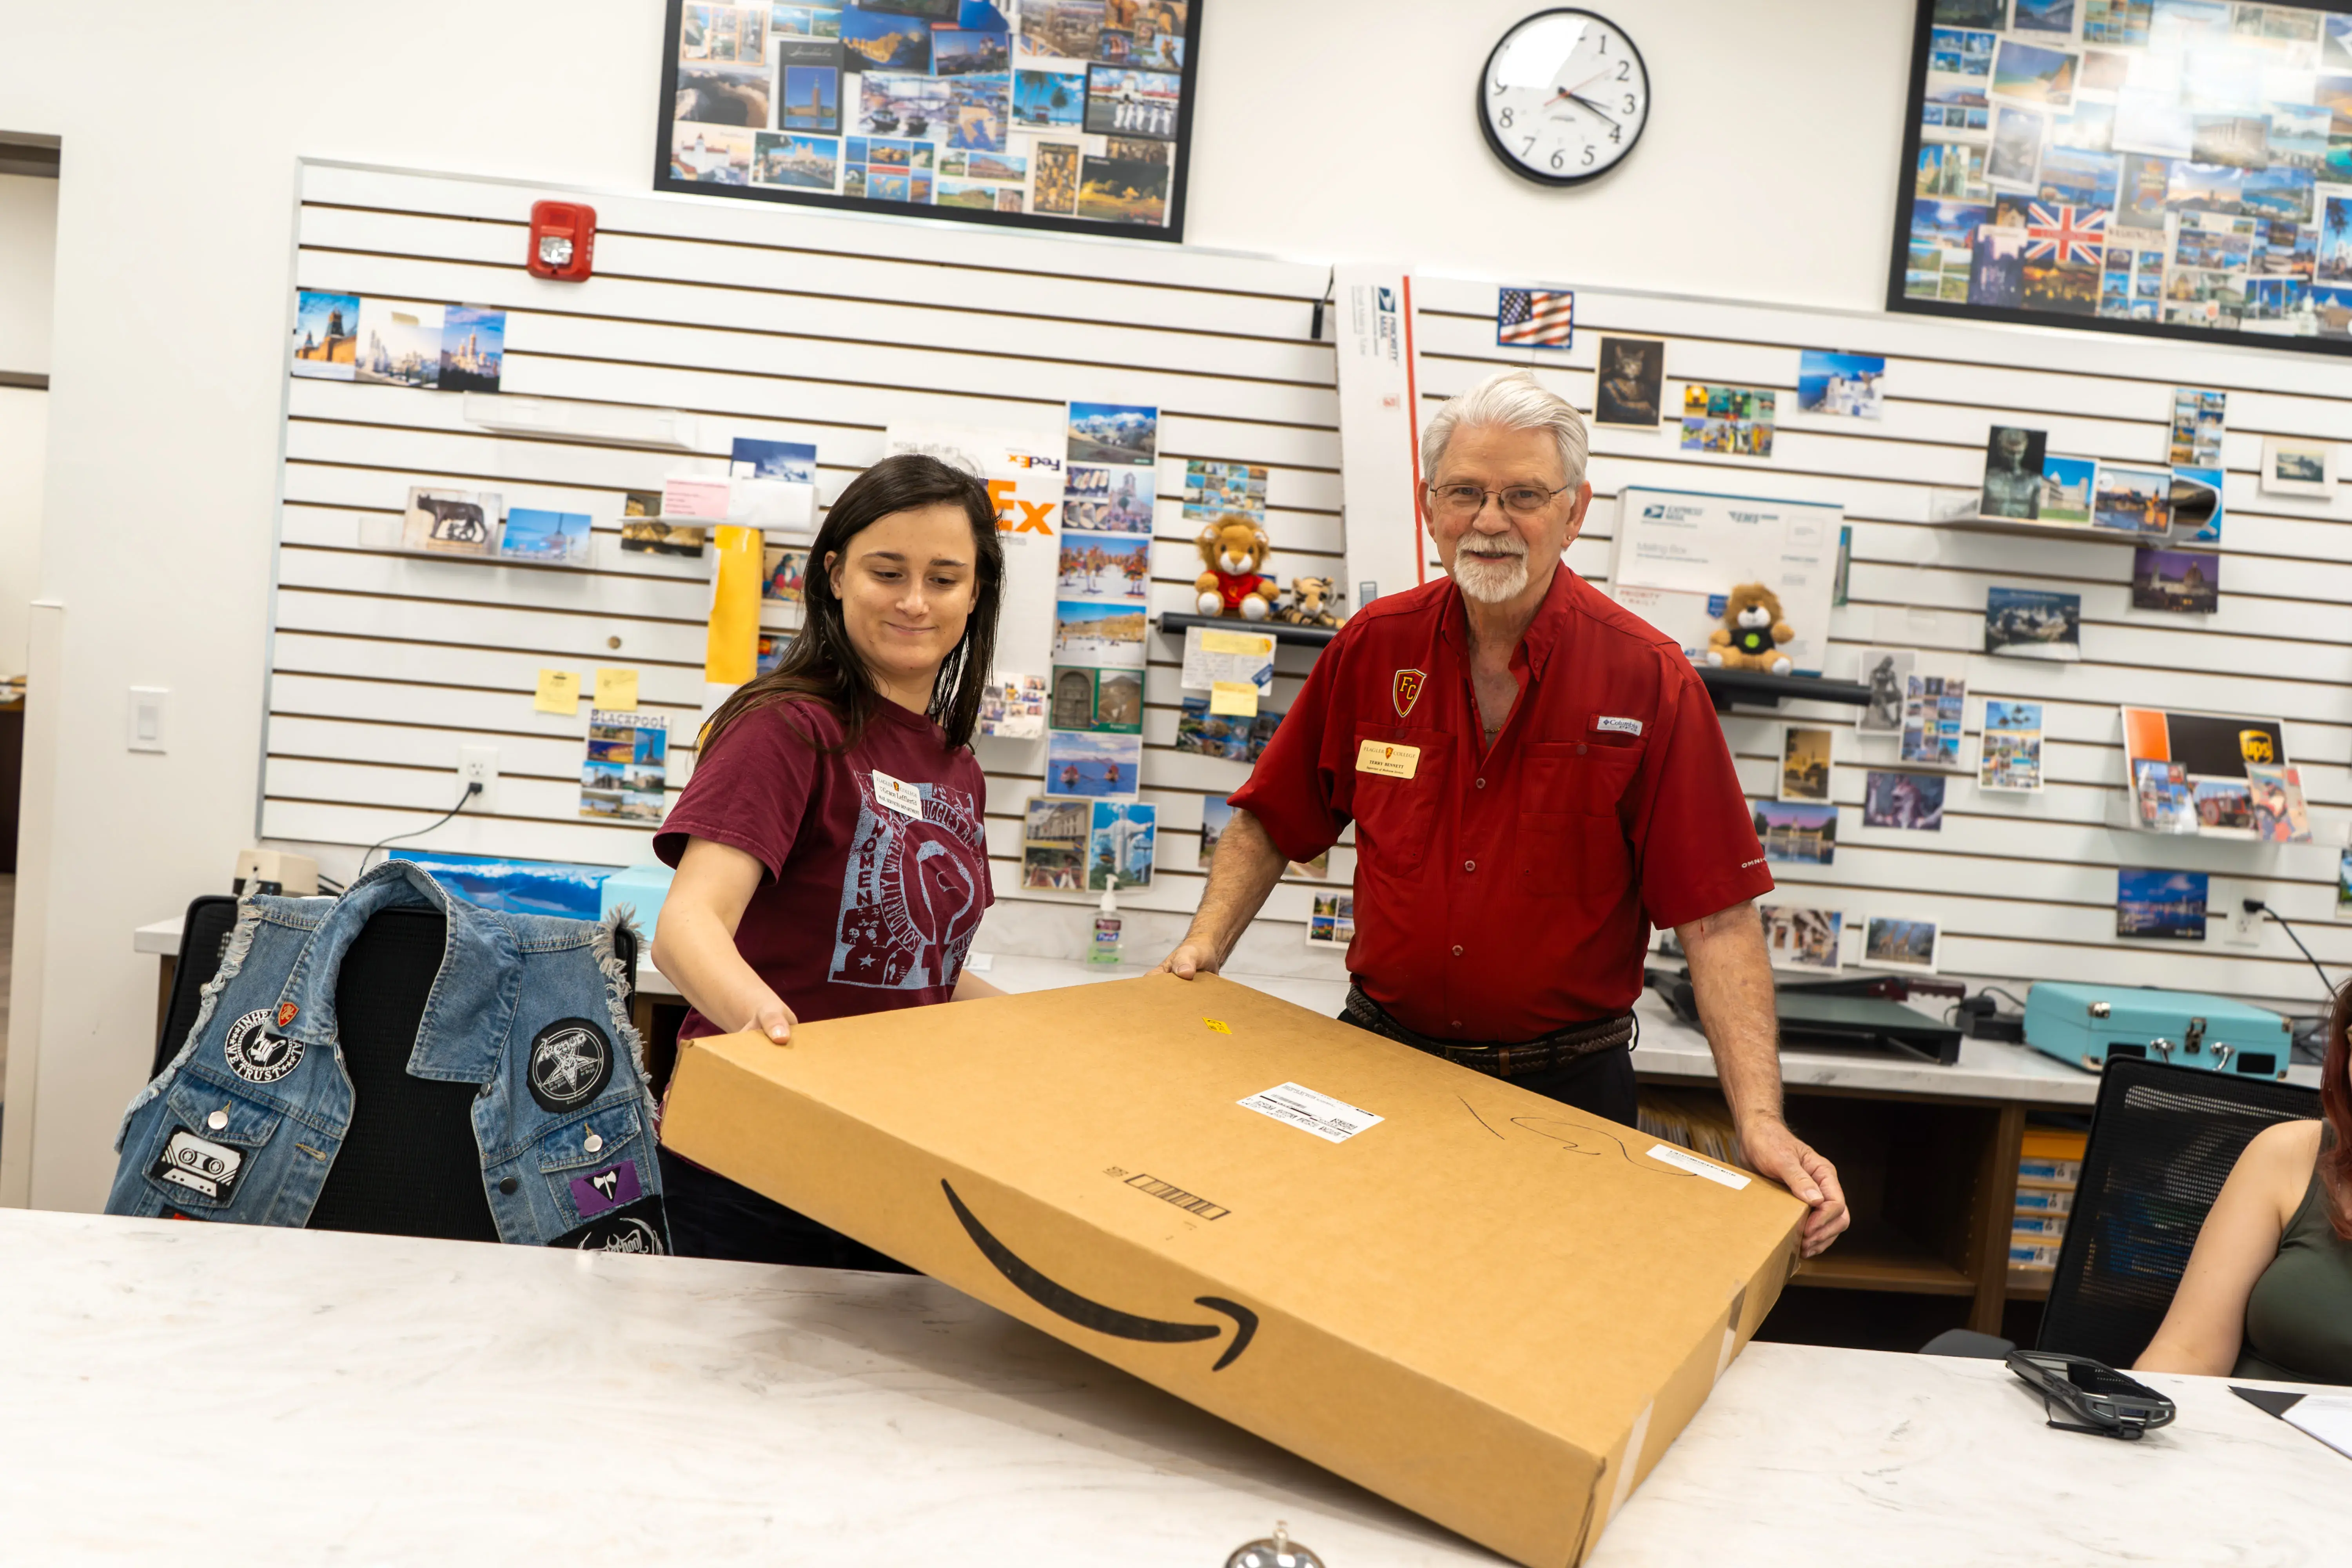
(1407, 691)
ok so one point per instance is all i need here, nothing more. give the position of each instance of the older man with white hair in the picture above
(1537, 777)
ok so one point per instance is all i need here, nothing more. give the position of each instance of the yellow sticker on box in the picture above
(1387, 759)
(1238, 698)
(1218, 1024)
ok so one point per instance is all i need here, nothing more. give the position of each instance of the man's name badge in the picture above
(896, 795)
(1387, 759)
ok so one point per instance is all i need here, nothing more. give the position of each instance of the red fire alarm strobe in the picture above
(562, 240)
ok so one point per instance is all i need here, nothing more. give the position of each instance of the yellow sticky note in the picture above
(558, 692)
(1218, 1024)
(616, 690)
(1387, 759)
(1251, 644)
(1234, 697)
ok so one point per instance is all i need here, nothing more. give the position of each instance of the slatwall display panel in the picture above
(787, 324)
(2022, 887)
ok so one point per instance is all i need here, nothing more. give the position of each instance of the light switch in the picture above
(147, 718)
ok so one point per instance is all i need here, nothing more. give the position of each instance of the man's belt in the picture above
(1556, 1049)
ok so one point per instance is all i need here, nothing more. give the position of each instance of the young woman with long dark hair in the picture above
(829, 846)
(2268, 1291)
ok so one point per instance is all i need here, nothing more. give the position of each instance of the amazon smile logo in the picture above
(1065, 1303)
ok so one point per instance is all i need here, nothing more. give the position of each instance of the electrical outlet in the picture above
(479, 764)
(2225, 899)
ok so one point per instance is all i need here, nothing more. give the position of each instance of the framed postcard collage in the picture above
(1061, 114)
(2172, 168)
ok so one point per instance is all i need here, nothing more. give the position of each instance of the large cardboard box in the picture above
(1494, 1309)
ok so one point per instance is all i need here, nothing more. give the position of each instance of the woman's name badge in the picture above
(897, 796)
(1387, 759)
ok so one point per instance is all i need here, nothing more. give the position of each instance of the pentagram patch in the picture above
(255, 1055)
(571, 1062)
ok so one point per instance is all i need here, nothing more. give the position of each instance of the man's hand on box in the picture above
(1191, 958)
(1773, 1151)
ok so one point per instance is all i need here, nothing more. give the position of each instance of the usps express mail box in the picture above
(1486, 1306)
(2084, 1025)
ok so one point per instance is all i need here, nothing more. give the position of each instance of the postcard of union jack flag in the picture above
(2066, 235)
(1535, 318)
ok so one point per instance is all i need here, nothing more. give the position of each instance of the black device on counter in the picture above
(1863, 1010)
(2099, 1399)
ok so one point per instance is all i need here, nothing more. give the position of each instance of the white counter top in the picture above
(170, 1391)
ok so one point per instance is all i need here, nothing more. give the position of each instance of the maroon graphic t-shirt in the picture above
(865, 908)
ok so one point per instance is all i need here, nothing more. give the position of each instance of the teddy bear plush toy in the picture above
(1308, 603)
(1752, 632)
(1233, 549)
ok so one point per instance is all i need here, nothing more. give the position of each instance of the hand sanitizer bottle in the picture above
(1106, 947)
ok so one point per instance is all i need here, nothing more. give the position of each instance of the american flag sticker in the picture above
(1535, 318)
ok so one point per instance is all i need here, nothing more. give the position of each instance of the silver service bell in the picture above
(1278, 1550)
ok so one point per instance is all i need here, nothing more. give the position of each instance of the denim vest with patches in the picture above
(245, 1123)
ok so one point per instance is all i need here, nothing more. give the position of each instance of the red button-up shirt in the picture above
(1505, 892)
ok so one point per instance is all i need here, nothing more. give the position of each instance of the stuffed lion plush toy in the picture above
(1751, 632)
(1233, 548)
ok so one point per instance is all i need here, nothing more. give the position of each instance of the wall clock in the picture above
(1564, 96)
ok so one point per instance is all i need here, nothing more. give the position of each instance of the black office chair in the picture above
(409, 1164)
(2163, 1139)
(203, 934)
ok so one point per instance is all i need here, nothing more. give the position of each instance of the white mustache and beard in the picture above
(1491, 568)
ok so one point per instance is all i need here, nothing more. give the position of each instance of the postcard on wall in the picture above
(551, 538)
(1235, 737)
(2296, 466)
(1113, 433)
(473, 348)
(1110, 497)
(326, 342)
(1913, 802)
(1215, 492)
(399, 344)
(2279, 813)
(2184, 582)
(2162, 797)
(768, 653)
(1216, 815)
(2344, 885)
(2069, 487)
(2168, 905)
(784, 574)
(1841, 383)
(1108, 636)
(793, 462)
(2133, 500)
(1121, 844)
(1082, 763)
(1213, 654)
(1055, 832)
(452, 522)
(2013, 476)
(2197, 505)
(625, 775)
(1013, 707)
(1113, 568)
(1900, 945)
(2011, 756)
(1796, 832)
(1803, 938)
(2033, 623)
(1804, 762)
(652, 536)
(1887, 672)
(1106, 702)
(1932, 710)
(1629, 386)
(2196, 426)
(1736, 421)
(1331, 920)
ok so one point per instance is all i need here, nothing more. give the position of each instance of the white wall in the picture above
(1325, 131)
(24, 438)
(28, 237)
(1332, 132)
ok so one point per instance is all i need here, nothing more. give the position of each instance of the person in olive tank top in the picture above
(2268, 1291)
